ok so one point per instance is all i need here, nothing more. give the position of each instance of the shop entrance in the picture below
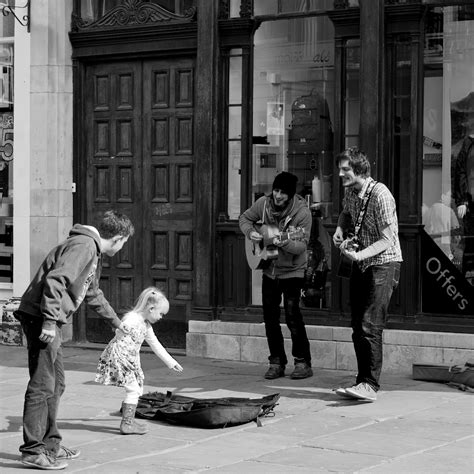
(137, 157)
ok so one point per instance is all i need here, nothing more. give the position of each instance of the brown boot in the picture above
(129, 425)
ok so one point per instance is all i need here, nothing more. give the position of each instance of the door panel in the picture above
(168, 137)
(113, 176)
(139, 136)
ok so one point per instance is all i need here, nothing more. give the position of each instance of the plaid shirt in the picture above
(381, 211)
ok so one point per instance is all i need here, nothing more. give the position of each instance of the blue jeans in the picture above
(46, 385)
(272, 291)
(370, 293)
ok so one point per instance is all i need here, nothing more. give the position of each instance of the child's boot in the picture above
(129, 425)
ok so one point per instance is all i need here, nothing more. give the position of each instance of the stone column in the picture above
(10, 329)
(206, 72)
(42, 173)
(50, 127)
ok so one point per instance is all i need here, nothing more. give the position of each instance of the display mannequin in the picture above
(442, 224)
(463, 191)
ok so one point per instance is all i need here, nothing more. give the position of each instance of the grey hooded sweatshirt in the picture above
(69, 274)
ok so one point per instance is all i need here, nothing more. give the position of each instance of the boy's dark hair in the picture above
(114, 223)
(357, 161)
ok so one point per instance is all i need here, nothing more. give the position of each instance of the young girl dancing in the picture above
(119, 364)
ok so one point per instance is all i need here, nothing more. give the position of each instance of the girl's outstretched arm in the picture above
(160, 351)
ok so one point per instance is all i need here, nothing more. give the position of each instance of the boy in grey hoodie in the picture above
(69, 274)
(285, 215)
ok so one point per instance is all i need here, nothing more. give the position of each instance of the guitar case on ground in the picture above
(205, 412)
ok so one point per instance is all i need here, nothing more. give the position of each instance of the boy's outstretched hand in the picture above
(124, 328)
(177, 368)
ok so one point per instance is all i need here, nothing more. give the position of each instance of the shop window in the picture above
(6, 74)
(448, 162)
(351, 93)
(278, 7)
(234, 132)
(401, 103)
(234, 8)
(293, 110)
(6, 149)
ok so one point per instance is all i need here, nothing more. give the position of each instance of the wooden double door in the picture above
(137, 138)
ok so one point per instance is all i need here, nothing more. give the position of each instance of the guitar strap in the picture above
(363, 209)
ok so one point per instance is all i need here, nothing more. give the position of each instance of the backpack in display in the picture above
(311, 129)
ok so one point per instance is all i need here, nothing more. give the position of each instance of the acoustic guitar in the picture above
(344, 269)
(260, 254)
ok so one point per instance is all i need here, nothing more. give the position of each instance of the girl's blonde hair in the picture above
(150, 296)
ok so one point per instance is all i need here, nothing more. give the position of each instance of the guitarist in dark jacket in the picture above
(283, 218)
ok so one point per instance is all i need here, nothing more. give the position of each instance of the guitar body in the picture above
(260, 254)
(344, 269)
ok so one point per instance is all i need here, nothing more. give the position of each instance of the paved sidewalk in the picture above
(414, 427)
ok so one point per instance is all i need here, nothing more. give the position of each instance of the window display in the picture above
(448, 162)
(292, 126)
(6, 150)
(464, 192)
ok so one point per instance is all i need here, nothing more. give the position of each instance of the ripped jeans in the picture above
(370, 293)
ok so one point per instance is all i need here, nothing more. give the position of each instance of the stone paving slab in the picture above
(364, 442)
(410, 428)
(259, 467)
(306, 426)
(225, 448)
(456, 457)
(462, 411)
(320, 460)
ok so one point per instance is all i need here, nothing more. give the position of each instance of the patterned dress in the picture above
(119, 363)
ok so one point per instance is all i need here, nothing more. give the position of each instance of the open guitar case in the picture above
(459, 376)
(204, 412)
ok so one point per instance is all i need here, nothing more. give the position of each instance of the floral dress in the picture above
(119, 363)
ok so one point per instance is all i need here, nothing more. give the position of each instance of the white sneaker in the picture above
(341, 391)
(362, 391)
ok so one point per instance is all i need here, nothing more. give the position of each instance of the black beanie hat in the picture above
(286, 182)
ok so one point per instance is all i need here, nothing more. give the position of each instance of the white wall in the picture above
(50, 126)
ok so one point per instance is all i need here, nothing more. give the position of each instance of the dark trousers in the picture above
(272, 291)
(46, 385)
(370, 293)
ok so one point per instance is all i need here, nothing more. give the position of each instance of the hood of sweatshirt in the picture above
(89, 231)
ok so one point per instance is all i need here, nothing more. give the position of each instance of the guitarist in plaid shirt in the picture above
(282, 211)
(376, 256)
